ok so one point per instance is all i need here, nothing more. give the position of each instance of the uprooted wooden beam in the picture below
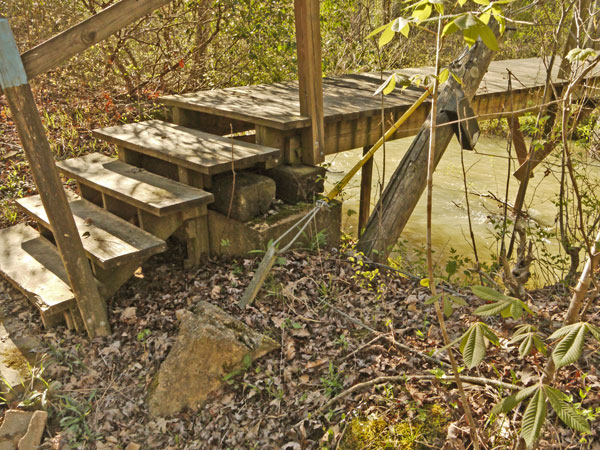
(409, 180)
(37, 150)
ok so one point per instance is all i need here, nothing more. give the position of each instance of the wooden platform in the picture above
(185, 147)
(108, 240)
(147, 191)
(32, 264)
(351, 112)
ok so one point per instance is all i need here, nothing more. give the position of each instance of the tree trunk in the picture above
(408, 181)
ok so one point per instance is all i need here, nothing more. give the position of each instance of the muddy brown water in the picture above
(486, 178)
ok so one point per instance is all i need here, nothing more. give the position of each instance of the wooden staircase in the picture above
(127, 209)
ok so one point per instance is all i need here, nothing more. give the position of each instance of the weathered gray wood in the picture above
(409, 179)
(32, 264)
(310, 78)
(107, 239)
(39, 155)
(63, 46)
(144, 190)
(185, 147)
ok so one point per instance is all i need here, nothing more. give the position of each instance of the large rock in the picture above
(252, 195)
(234, 238)
(22, 430)
(298, 183)
(210, 345)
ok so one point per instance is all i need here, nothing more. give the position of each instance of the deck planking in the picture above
(147, 191)
(185, 147)
(346, 97)
(107, 239)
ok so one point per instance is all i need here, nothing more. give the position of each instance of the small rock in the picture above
(129, 314)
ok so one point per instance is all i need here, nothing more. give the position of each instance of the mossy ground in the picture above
(379, 432)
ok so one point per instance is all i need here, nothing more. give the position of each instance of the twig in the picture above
(232, 171)
(479, 381)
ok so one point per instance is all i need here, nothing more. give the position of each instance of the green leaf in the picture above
(492, 309)
(386, 36)
(569, 349)
(595, 331)
(508, 403)
(534, 417)
(488, 37)
(387, 86)
(442, 78)
(456, 78)
(485, 17)
(434, 298)
(482, 2)
(450, 28)
(457, 300)
(447, 307)
(487, 293)
(401, 25)
(566, 411)
(377, 30)
(473, 345)
(497, 13)
(422, 12)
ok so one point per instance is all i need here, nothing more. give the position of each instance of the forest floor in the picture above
(335, 330)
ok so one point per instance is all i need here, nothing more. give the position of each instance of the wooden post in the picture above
(366, 178)
(310, 78)
(37, 150)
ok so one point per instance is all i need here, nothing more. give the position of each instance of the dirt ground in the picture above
(335, 328)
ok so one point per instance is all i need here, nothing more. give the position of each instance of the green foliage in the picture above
(474, 342)
(73, 417)
(571, 343)
(529, 338)
(503, 304)
(333, 381)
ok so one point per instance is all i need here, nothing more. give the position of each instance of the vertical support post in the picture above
(37, 150)
(310, 78)
(366, 179)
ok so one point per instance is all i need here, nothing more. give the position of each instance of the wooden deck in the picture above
(352, 114)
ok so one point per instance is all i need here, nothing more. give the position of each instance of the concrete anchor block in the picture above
(252, 195)
(298, 183)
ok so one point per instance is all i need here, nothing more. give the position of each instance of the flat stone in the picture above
(253, 195)
(14, 428)
(210, 345)
(234, 238)
(298, 183)
(35, 430)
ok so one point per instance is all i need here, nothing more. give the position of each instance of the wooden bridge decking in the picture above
(352, 114)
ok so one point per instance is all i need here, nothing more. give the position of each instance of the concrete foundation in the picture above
(234, 238)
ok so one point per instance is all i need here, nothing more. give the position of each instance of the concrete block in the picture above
(297, 183)
(234, 238)
(252, 195)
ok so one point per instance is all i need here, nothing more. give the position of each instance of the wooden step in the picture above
(144, 190)
(108, 240)
(32, 264)
(185, 147)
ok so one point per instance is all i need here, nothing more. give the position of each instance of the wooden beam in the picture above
(517, 138)
(366, 178)
(310, 78)
(37, 150)
(78, 38)
(410, 177)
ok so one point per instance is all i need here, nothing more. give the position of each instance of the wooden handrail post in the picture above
(310, 78)
(17, 90)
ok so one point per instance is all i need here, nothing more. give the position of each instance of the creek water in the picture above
(486, 168)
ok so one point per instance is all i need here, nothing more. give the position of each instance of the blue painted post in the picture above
(13, 81)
